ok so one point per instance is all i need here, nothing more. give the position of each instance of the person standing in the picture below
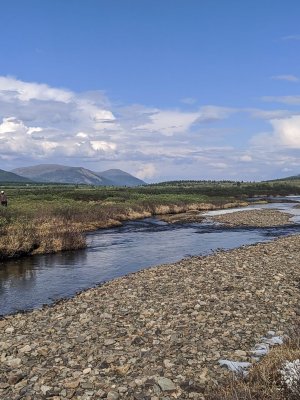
(3, 199)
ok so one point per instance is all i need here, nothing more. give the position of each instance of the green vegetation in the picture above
(43, 218)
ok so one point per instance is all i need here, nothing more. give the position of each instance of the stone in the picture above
(45, 389)
(25, 349)
(72, 384)
(109, 342)
(15, 378)
(113, 395)
(165, 384)
(14, 362)
(240, 353)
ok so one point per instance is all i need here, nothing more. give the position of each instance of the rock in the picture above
(45, 389)
(25, 349)
(72, 384)
(165, 384)
(155, 340)
(113, 395)
(109, 342)
(240, 353)
(101, 394)
(15, 378)
(3, 323)
(14, 362)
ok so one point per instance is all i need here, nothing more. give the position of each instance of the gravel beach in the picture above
(262, 218)
(155, 334)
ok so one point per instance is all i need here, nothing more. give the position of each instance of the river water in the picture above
(32, 282)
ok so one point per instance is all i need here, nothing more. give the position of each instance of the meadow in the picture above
(44, 218)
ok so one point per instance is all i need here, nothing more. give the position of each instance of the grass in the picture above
(44, 218)
(265, 381)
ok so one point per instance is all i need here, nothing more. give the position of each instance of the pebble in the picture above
(262, 218)
(158, 333)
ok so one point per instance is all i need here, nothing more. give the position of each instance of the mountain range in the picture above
(6, 176)
(54, 173)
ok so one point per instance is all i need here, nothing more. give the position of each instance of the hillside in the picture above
(120, 178)
(62, 174)
(55, 173)
(10, 177)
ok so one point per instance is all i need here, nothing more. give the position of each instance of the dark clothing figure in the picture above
(3, 199)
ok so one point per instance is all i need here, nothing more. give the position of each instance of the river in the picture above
(32, 282)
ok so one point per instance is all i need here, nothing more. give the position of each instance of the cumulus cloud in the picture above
(14, 89)
(42, 124)
(287, 131)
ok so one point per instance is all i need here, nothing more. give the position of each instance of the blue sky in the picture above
(169, 89)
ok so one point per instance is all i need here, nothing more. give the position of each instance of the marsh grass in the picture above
(46, 217)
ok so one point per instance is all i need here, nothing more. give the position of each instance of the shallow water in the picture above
(34, 281)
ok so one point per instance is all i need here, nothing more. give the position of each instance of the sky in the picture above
(162, 89)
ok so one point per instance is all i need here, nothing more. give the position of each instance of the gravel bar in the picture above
(260, 218)
(155, 334)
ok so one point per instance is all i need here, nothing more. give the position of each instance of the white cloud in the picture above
(218, 165)
(26, 91)
(146, 171)
(40, 124)
(171, 122)
(287, 131)
(103, 146)
(289, 78)
(246, 158)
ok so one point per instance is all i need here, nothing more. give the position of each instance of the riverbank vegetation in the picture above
(275, 377)
(43, 218)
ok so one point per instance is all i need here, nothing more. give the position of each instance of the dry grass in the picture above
(37, 236)
(48, 228)
(264, 381)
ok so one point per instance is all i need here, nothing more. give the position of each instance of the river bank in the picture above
(158, 333)
(50, 234)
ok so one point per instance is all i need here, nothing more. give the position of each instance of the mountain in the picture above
(120, 178)
(77, 175)
(62, 174)
(10, 177)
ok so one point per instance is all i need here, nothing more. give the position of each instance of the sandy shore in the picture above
(262, 218)
(155, 334)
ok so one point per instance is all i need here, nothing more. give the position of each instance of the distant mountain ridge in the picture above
(120, 178)
(54, 173)
(10, 177)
